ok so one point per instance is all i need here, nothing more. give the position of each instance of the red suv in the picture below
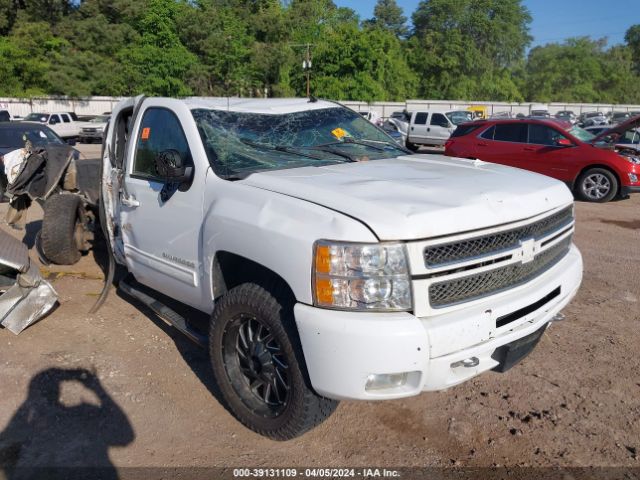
(590, 167)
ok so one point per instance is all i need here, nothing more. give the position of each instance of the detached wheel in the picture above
(259, 367)
(62, 235)
(597, 185)
(412, 146)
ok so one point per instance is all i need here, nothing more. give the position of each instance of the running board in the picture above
(169, 316)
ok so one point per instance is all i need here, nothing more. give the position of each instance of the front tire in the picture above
(259, 367)
(597, 185)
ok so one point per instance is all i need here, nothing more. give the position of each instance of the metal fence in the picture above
(19, 107)
(385, 109)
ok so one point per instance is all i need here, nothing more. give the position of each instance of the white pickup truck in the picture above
(434, 126)
(60, 122)
(333, 263)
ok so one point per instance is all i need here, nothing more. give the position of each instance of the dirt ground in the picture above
(120, 388)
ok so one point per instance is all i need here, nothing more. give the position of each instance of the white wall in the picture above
(99, 105)
(385, 108)
(90, 106)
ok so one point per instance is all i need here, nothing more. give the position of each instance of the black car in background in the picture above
(13, 136)
(5, 116)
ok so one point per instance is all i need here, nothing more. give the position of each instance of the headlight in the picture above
(361, 276)
(631, 158)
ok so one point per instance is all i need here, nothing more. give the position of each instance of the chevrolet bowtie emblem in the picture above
(528, 250)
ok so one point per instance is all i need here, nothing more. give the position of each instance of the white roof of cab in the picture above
(272, 106)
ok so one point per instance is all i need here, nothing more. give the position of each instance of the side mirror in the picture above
(170, 165)
(53, 121)
(564, 142)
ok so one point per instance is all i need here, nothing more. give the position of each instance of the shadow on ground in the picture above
(195, 356)
(65, 426)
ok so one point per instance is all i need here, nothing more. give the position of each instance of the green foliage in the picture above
(581, 70)
(458, 49)
(157, 63)
(632, 37)
(465, 48)
(387, 15)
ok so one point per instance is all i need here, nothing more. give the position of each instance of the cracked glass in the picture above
(241, 143)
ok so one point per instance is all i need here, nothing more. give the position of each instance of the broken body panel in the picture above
(25, 297)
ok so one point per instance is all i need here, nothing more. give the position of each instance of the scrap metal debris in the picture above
(25, 297)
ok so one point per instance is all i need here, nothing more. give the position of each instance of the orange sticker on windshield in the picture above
(145, 133)
(339, 133)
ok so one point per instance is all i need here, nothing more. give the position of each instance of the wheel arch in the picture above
(229, 270)
(574, 183)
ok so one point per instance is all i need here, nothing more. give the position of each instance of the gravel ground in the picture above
(120, 388)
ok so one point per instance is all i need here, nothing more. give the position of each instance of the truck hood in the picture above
(420, 196)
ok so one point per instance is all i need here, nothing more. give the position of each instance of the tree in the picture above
(50, 11)
(223, 49)
(632, 37)
(387, 15)
(369, 64)
(464, 49)
(158, 63)
(458, 49)
(580, 70)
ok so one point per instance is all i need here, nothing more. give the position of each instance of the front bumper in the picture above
(90, 136)
(342, 349)
(625, 190)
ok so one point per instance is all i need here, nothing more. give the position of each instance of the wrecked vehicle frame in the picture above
(67, 190)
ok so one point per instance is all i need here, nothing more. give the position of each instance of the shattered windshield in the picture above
(459, 117)
(37, 117)
(15, 137)
(581, 134)
(241, 143)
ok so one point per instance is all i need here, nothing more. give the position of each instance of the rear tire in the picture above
(62, 229)
(412, 146)
(597, 185)
(259, 367)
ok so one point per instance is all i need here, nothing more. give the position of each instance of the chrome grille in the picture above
(486, 245)
(479, 285)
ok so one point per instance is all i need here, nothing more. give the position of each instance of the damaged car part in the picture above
(25, 297)
(66, 189)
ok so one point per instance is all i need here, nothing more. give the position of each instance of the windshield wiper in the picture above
(296, 150)
(333, 151)
(368, 143)
(356, 142)
(278, 148)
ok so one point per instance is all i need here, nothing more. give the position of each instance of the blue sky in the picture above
(553, 20)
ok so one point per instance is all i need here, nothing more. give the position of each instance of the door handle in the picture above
(481, 144)
(130, 201)
(412, 129)
(428, 129)
(529, 149)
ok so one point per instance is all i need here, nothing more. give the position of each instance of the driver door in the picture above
(162, 239)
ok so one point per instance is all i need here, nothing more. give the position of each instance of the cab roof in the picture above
(273, 106)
